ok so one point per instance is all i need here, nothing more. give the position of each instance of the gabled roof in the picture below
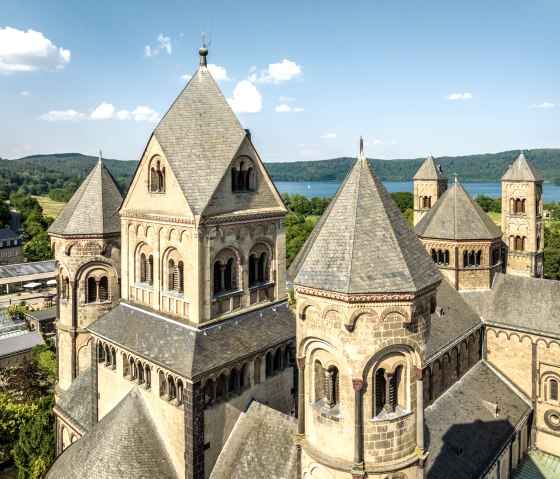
(261, 444)
(363, 244)
(513, 301)
(124, 444)
(94, 208)
(19, 343)
(199, 136)
(190, 351)
(76, 402)
(456, 216)
(430, 170)
(522, 170)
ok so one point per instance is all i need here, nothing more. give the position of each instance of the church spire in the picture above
(362, 156)
(203, 52)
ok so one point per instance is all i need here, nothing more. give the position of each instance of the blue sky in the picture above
(308, 78)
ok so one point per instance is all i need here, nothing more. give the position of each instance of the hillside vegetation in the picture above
(59, 175)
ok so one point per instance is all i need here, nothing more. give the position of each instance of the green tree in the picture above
(35, 449)
(298, 230)
(404, 200)
(26, 382)
(13, 415)
(489, 204)
(45, 357)
(39, 248)
(409, 216)
(5, 215)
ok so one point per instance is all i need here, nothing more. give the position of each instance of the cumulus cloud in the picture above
(298, 109)
(164, 44)
(105, 111)
(246, 98)
(63, 115)
(459, 96)
(186, 77)
(329, 136)
(545, 104)
(29, 51)
(286, 70)
(219, 73)
(140, 113)
(286, 109)
(25, 93)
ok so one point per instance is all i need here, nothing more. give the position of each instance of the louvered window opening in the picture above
(91, 290)
(440, 257)
(472, 259)
(225, 277)
(553, 390)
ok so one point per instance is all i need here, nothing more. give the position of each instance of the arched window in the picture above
(162, 384)
(140, 370)
(114, 358)
(472, 258)
(241, 177)
(379, 391)
(103, 288)
(253, 270)
(172, 389)
(552, 390)
(234, 179)
(171, 274)
(180, 392)
(133, 370)
(225, 276)
(100, 353)
(157, 178)
(150, 270)
(519, 246)
(229, 278)
(143, 263)
(91, 290)
(250, 179)
(244, 377)
(126, 366)
(263, 268)
(179, 279)
(446, 257)
(108, 356)
(148, 376)
(523, 205)
(257, 371)
(319, 381)
(218, 277)
(278, 364)
(66, 288)
(389, 390)
(269, 366)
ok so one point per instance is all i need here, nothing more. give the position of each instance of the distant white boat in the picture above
(308, 186)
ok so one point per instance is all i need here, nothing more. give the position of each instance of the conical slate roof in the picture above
(199, 136)
(430, 170)
(456, 216)
(363, 244)
(94, 208)
(124, 444)
(522, 170)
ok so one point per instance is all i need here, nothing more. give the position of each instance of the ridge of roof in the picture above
(457, 216)
(94, 207)
(522, 170)
(199, 133)
(363, 244)
(429, 170)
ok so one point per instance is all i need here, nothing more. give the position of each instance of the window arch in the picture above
(91, 290)
(148, 376)
(180, 392)
(390, 394)
(140, 370)
(319, 380)
(157, 177)
(145, 265)
(243, 176)
(171, 388)
(472, 258)
(519, 243)
(226, 270)
(103, 288)
(162, 384)
(550, 388)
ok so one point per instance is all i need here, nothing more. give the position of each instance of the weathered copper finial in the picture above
(455, 175)
(100, 156)
(361, 148)
(203, 52)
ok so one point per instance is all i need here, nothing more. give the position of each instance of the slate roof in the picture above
(76, 402)
(190, 351)
(363, 244)
(42, 314)
(199, 136)
(26, 269)
(522, 170)
(94, 208)
(124, 444)
(457, 320)
(462, 432)
(261, 444)
(529, 304)
(456, 216)
(7, 233)
(430, 170)
(18, 343)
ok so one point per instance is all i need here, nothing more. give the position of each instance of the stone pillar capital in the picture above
(300, 363)
(357, 384)
(418, 373)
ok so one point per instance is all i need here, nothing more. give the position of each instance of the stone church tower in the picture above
(522, 220)
(364, 290)
(430, 182)
(85, 238)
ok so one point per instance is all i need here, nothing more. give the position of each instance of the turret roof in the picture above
(430, 170)
(200, 136)
(522, 170)
(363, 244)
(94, 208)
(456, 216)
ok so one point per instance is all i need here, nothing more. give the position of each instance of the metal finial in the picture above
(203, 52)
(455, 175)
(361, 148)
(100, 156)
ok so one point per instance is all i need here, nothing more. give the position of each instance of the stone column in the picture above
(388, 405)
(194, 431)
(329, 387)
(419, 411)
(301, 395)
(358, 469)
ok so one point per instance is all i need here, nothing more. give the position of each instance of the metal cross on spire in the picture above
(203, 52)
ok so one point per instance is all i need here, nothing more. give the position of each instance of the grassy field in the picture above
(496, 218)
(50, 207)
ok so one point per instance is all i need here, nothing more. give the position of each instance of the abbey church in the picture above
(408, 353)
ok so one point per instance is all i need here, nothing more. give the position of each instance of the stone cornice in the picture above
(157, 219)
(102, 236)
(216, 220)
(363, 298)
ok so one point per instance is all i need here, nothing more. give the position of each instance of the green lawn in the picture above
(496, 217)
(50, 207)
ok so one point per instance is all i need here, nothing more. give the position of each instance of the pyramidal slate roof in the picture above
(522, 170)
(363, 244)
(456, 216)
(430, 170)
(200, 136)
(124, 444)
(94, 208)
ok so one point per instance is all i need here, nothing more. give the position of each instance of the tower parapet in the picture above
(430, 182)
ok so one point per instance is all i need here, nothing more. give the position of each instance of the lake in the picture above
(322, 189)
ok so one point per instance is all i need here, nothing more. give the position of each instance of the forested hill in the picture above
(60, 174)
(485, 167)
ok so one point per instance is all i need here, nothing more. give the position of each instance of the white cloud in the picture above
(186, 77)
(25, 93)
(459, 96)
(285, 99)
(286, 70)
(286, 109)
(219, 73)
(123, 115)
(329, 136)
(545, 104)
(29, 51)
(164, 44)
(144, 113)
(64, 115)
(105, 111)
(246, 98)
(298, 109)
(380, 142)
